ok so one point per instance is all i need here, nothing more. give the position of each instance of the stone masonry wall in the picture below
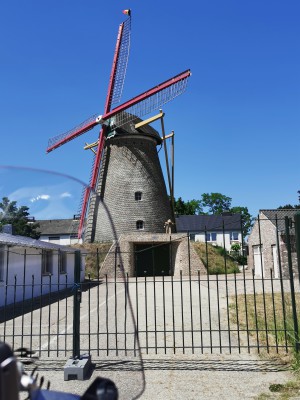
(264, 233)
(131, 165)
(181, 261)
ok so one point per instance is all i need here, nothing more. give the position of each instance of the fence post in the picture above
(290, 265)
(76, 302)
(78, 366)
(297, 234)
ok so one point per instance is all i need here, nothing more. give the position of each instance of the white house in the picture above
(59, 231)
(221, 230)
(31, 268)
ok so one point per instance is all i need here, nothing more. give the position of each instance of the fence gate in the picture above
(205, 313)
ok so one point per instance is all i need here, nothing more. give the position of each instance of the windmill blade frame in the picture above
(148, 101)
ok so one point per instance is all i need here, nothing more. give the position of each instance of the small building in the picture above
(59, 231)
(267, 244)
(152, 254)
(221, 230)
(31, 268)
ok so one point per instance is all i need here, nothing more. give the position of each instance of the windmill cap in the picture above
(129, 128)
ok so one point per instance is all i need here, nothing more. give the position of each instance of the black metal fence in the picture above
(255, 309)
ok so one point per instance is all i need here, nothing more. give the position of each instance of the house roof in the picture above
(24, 241)
(58, 226)
(202, 223)
(277, 216)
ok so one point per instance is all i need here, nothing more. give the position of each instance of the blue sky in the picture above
(236, 126)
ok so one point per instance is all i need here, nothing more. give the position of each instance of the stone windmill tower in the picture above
(131, 185)
(126, 173)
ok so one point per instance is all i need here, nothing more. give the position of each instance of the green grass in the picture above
(268, 319)
(215, 259)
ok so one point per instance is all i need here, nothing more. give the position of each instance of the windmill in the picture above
(123, 136)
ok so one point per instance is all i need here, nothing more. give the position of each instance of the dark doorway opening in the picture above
(152, 259)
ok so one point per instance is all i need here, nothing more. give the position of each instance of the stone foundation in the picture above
(183, 256)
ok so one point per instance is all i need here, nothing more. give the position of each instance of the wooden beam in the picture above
(90, 146)
(149, 120)
(168, 136)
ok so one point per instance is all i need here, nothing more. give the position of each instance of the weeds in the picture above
(216, 259)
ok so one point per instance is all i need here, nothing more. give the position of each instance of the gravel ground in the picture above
(179, 377)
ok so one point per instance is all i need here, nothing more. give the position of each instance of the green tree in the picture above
(190, 207)
(247, 219)
(10, 213)
(215, 203)
(289, 206)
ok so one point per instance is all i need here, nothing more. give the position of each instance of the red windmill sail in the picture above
(140, 105)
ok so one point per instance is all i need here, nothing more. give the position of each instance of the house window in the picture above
(192, 237)
(2, 263)
(46, 262)
(62, 262)
(211, 237)
(234, 236)
(54, 239)
(138, 196)
(139, 225)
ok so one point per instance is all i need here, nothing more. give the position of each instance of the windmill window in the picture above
(138, 196)
(139, 225)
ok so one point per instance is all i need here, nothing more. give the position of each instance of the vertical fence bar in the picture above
(274, 310)
(189, 253)
(173, 315)
(137, 307)
(40, 315)
(66, 315)
(293, 299)
(281, 283)
(31, 311)
(191, 307)
(297, 237)
(164, 313)
(6, 293)
(59, 255)
(200, 311)
(155, 317)
(89, 310)
(255, 313)
(49, 312)
(106, 315)
(14, 310)
(146, 314)
(209, 310)
(245, 294)
(23, 302)
(237, 312)
(126, 278)
(182, 314)
(76, 306)
(116, 301)
(98, 301)
(226, 287)
(263, 286)
(219, 313)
